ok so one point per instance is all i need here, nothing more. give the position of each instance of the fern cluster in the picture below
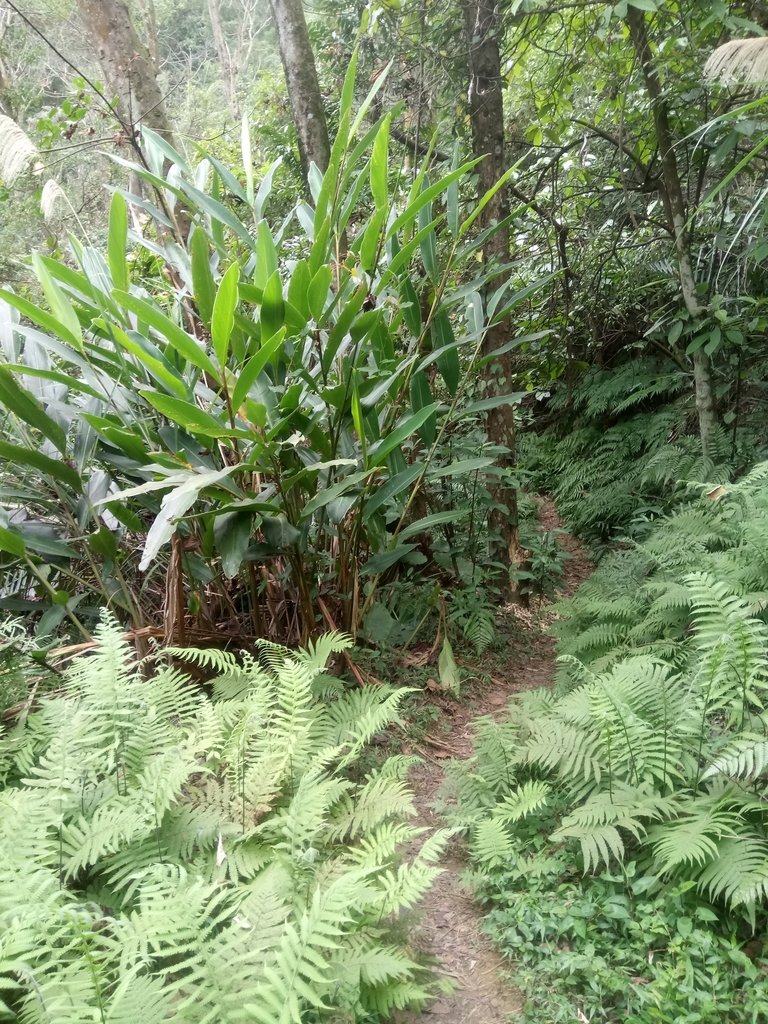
(166, 855)
(654, 747)
(629, 451)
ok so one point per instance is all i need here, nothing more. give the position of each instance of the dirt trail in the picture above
(450, 926)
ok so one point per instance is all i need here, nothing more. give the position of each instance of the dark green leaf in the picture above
(21, 403)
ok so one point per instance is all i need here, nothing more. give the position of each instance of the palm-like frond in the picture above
(740, 60)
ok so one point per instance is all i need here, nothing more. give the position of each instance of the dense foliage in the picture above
(304, 314)
(648, 759)
(312, 414)
(167, 855)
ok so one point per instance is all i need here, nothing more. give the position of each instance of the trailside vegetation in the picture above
(170, 853)
(308, 318)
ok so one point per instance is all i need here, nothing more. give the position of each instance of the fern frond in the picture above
(746, 758)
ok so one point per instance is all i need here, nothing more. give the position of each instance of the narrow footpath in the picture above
(450, 926)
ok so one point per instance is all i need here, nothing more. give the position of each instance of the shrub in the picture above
(250, 414)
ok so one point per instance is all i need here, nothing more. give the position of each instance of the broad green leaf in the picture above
(448, 358)
(163, 146)
(161, 372)
(298, 289)
(328, 494)
(448, 670)
(60, 378)
(245, 150)
(16, 455)
(12, 543)
(410, 307)
(386, 559)
(369, 246)
(343, 325)
(319, 287)
(461, 468)
(428, 240)
(203, 285)
(103, 543)
(42, 544)
(409, 215)
(187, 415)
(364, 107)
(266, 256)
(452, 197)
(402, 256)
(279, 533)
(21, 403)
(484, 404)
(160, 183)
(486, 199)
(218, 212)
(378, 625)
(358, 419)
(408, 426)
(254, 367)
(88, 289)
(174, 505)
(371, 398)
(348, 85)
(177, 338)
(265, 189)
(228, 178)
(223, 318)
(379, 166)
(42, 318)
(232, 535)
(421, 395)
(425, 525)
(60, 305)
(272, 307)
(394, 486)
(117, 242)
(522, 339)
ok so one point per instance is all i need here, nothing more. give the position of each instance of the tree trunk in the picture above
(149, 16)
(303, 86)
(228, 69)
(674, 203)
(486, 112)
(127, 65)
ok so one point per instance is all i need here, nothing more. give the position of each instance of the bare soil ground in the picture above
(450, 926)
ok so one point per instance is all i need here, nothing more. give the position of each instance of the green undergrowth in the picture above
(166, 854)
(624, 446)
(618, 822)
(612, 947)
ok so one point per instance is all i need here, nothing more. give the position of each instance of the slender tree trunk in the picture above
(127, 64)
(303, 86)
(131, 75)
(674, 202)
(486, 111)
(228, 69)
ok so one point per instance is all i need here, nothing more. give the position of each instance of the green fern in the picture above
(166, 856)
(654, 744)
